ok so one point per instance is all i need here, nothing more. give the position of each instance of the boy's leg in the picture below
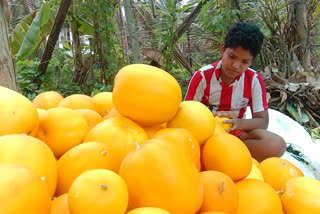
(263, 144)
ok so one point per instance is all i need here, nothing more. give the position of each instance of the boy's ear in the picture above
(221, 49)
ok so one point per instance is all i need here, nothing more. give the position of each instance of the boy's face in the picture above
(235, 61)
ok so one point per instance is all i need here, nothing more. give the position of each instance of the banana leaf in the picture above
(32, 30)
(18, 34)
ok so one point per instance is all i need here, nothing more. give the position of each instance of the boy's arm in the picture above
(260, 120)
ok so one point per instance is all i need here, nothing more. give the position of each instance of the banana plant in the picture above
(31, 31)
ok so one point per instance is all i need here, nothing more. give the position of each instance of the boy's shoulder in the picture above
(251, 73)
(209, 68)
(251, 70)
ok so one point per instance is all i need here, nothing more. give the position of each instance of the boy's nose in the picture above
(236, 64)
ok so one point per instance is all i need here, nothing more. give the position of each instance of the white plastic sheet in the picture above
(295, 135)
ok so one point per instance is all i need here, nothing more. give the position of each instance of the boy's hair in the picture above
(246, 35)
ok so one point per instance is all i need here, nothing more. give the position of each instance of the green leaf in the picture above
(315, 133)
(294, 113)
(234, 13)
(66, 45)
(37, 31)
(85, 27)
(18, 34)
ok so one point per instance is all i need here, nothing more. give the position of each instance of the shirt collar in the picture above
(218, 70)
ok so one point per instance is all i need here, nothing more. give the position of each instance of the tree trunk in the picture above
(302, 30)
(132, 31)
(7, 70)
(189, 49)
(99, 47)
(121, 29)
(77, 53)
(152, 9)
(54, 35)
(80, 75)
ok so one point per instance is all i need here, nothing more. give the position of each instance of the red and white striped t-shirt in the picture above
(247, 90)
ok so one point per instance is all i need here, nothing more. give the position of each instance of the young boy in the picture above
(229, 86)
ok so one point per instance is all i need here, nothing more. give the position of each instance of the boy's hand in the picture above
(234, 120)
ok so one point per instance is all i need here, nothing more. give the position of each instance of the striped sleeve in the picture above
(196, 87)
(259, 95)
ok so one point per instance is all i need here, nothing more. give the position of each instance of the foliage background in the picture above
(105, 45)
